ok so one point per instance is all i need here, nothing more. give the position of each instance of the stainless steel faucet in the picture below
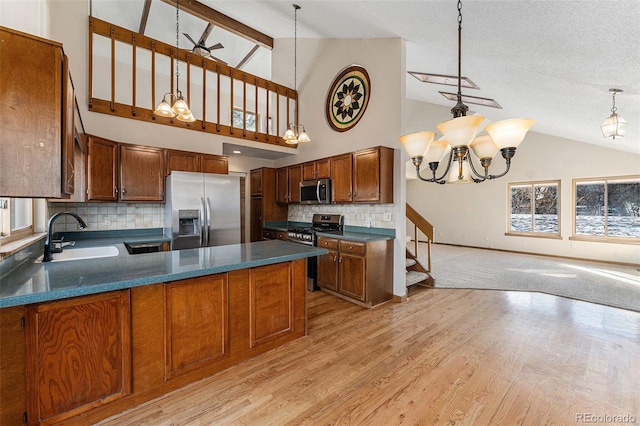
(55, 246)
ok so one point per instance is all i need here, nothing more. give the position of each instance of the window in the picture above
(238, 120)
(16, 218)
(607, 208)
(534, 209)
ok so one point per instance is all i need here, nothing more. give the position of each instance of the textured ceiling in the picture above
(550, 60)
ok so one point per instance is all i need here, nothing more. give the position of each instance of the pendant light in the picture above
(180, 108)
(459, 138)
(614, 125)
(293, 135)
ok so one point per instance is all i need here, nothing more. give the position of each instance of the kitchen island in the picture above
(82, 340)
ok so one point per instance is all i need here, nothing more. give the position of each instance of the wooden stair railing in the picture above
(422, 224)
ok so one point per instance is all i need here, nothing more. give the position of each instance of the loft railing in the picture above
(125, 66)
(422, 224)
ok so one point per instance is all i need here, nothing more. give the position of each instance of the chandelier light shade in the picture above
(460, 140)
(293, 135)
(614, 125)
(180, 108)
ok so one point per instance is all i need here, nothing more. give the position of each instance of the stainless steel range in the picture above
(327, 223)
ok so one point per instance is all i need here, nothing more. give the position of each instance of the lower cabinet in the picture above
(83, 359)
(357, 271)
(78, 355)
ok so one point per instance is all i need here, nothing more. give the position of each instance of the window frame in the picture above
(17, 234)
(599, 238)
(555, 235)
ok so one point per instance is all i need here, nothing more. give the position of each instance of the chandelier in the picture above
(180, 108)
(614, 125)
(459, 138)
(293, 135)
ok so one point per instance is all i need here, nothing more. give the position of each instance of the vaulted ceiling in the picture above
(553, 61)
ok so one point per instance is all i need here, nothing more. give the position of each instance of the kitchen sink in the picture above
(85, 253)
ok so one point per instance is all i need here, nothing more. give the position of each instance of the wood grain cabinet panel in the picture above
(214, 164)
(197, 324)
(101, 169)
(352, 276)
(13, 384)
(182, 161)
(141, 173)
(68, 137)
(373, 175)
(255, 182)
(270, 303)
(318, 169)
(78, 355)
(282, 185)
(328, 270)
(341, 178)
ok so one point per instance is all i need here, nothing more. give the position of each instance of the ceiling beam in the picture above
(204, 12)
(248, 56)
(145, 16)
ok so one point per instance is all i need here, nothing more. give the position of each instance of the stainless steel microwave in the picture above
(316, 191)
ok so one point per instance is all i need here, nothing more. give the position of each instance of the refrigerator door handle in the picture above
(203, 225)
(208, 205)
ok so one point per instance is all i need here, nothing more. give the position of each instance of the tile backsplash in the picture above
(108, 216)
(379, 215)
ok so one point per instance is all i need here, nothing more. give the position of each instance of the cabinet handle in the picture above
(335, 258)
(350, 247)
(340, 260)
(122, 190)
(115, 190)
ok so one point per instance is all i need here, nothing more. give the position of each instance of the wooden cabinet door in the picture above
(271, 300)
(366, 175)
(295, 177)
(282, 185)
(78, 355)
(328, 270)
(255, 181)
(214, 164)
(256, 219)
(68, 137)
(101, 169)
(141, 173)
(323, 168)
(182, 161)
(341, 171)
(31, 84)
(196, 323)
(309, 170)
(352, 276)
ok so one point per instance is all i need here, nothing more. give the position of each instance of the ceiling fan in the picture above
(201, 49)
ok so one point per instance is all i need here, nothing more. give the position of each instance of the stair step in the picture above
(410, 262)
(414, 277)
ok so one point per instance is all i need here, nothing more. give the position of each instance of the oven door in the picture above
(317, 191)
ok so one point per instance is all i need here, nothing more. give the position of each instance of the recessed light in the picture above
(237, 152)
(472, 100)
(448, 80)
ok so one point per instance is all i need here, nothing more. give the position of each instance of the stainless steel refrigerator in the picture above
(202, 210)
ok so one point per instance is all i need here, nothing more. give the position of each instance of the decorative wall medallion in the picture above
(348, 98)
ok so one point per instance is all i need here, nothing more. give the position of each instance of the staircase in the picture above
(417, 273)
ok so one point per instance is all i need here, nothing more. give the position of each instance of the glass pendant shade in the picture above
(187, 117)
(436, 151)
(417, 144)
(290, 137)
(303, 137)
(454, 173)
(461, 130)
(509, 133)
(180, 107)
(483, 147)
(164, 109)
(614, 126)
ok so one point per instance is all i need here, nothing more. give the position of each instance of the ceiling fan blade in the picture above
(189, 38)
(215, 46)
(205, 33)
(218, 59)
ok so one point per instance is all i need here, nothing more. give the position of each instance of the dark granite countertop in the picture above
(352, 233)
(33, 282)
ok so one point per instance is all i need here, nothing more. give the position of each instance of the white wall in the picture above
(476, 214)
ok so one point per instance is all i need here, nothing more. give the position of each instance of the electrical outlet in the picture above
(367, 223)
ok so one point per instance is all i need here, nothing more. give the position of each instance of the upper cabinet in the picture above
(373, 175)
(141, 173)
(101, 167)
(288, 184)
(318, 169)
(256, 180)
(186, 161)
(35, 97)
(68, 166)
(341, 178)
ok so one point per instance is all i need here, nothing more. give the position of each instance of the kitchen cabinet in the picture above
(123, 172)
(270, 234)
(34, 112)
(373, 175)
(341, 178)
(13, 384)
(141, 173)
(318, 169)
(101, 168)
(357, 271)
(78, 355)
(186, 161)
(68, 165)
(264, 207)
(288, 184)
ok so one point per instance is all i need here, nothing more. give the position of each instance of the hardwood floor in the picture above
(463, 357)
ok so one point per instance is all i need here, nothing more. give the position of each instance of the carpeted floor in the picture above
(603, 283)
